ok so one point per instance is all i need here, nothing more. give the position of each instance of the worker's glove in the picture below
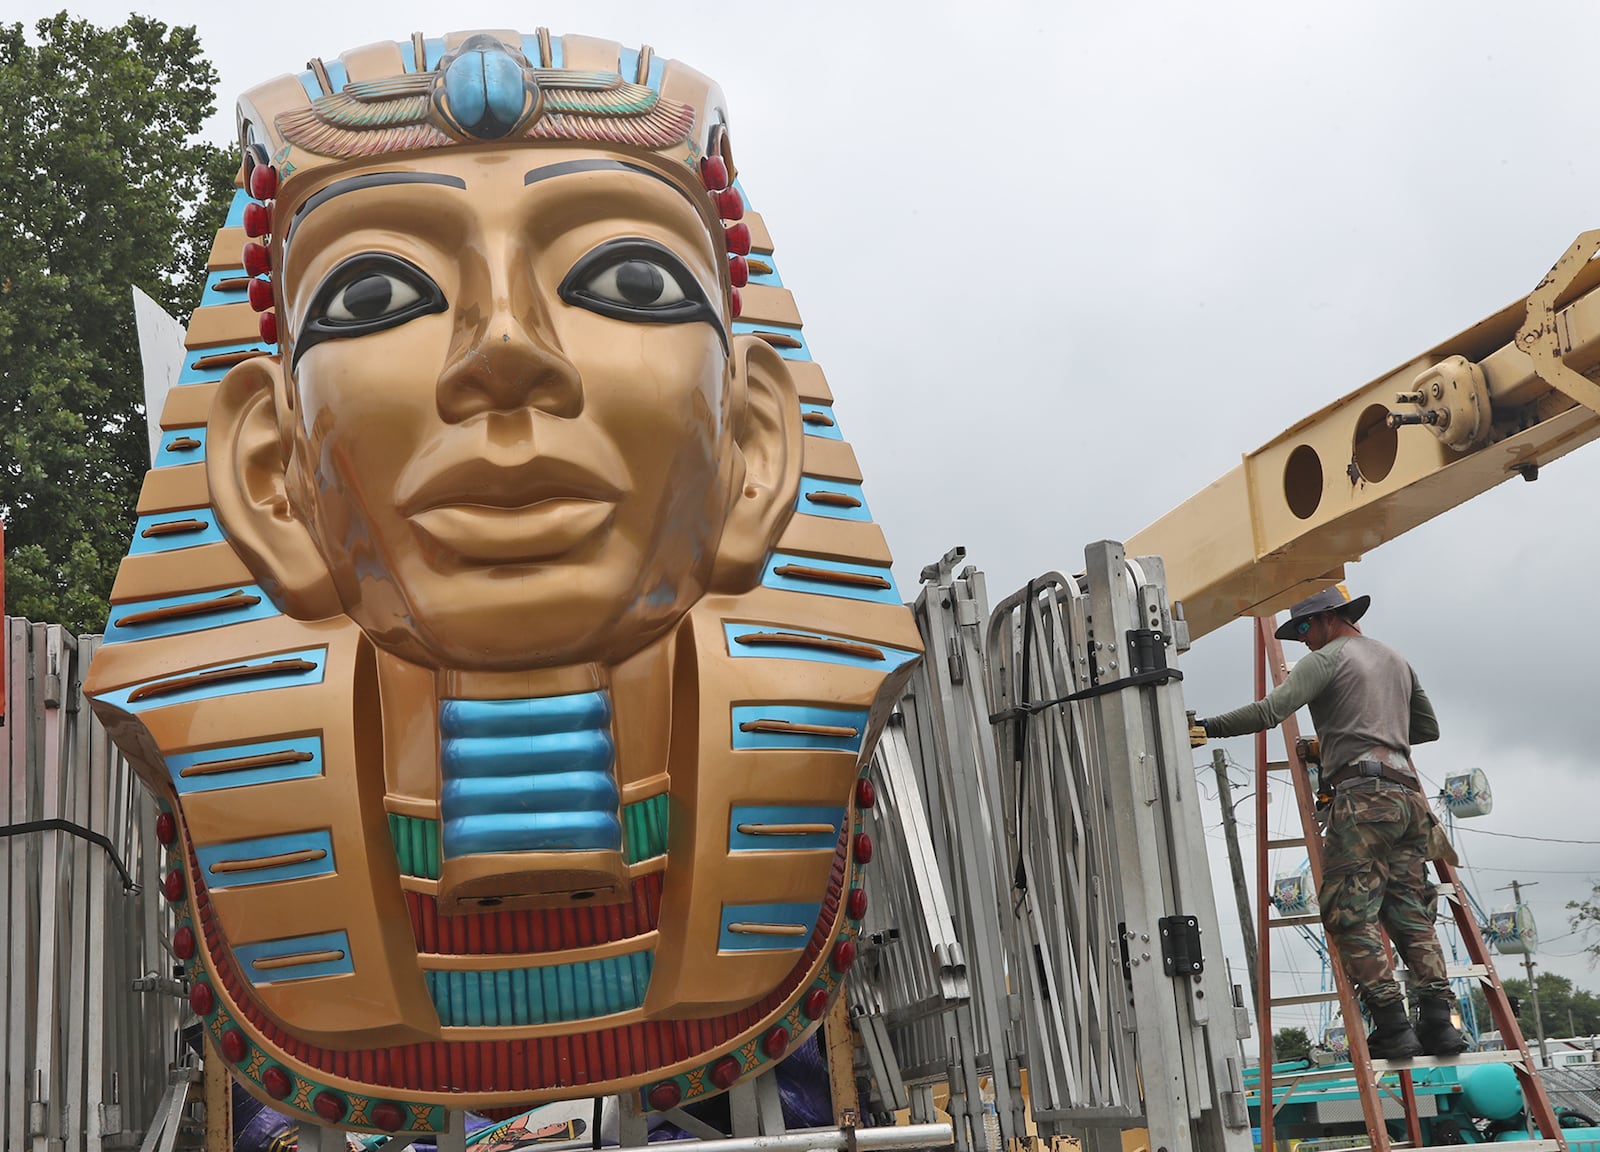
(1309, 749)
(1198, 734)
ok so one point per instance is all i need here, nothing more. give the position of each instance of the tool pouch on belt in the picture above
(1439, 846)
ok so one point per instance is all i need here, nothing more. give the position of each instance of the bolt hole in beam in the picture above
(1302, 481)
(1375, 444)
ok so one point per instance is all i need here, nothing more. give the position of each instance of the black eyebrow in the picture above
(368, 180)
(568, 167)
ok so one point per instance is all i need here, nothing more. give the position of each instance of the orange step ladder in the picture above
(1374, 1078)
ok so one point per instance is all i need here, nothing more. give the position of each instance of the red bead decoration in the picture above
(738, 236)
(737, 302)
(866, 793)
(665, 1095)
(863, 848)
(172, 886)
(388, 1116)
(276, 1081)
(263, 181)
(269, 327)
(776, 1042)
(815, 1003)
(166, 827)
(714, 173)
(234, 1046)
(329, 1105)
(202, 999)
(183, 943)
(725, 1072)
(256, 259)
(261, 295)
(258, 219)
(855, 905)
(738, 271)
(730, 206)
(844, 955)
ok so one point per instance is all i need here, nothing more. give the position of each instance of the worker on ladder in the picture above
(1369, 709)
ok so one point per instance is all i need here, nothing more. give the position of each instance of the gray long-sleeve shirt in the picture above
(1364, 698)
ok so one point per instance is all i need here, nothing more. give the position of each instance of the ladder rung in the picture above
(1447, 890)
(1466, 971)
(1523, 1145)
(1293, 921)
(1287, 842)
(1304, 998)
(1392, 1067)
(1278, 765)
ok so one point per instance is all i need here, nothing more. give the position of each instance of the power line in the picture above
(1516, 836)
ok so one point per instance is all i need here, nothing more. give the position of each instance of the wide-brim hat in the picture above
(1335, 599)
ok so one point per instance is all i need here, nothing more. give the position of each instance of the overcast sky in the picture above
(1065, 262)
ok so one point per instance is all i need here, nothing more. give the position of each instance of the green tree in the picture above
(1291, 1044)
(103, 186)
(1567, 1010)
(1585, 920)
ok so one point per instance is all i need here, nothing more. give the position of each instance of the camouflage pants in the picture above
(1374, 871)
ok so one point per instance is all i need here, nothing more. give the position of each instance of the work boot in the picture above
(1391, 1037)
(1435, 1031)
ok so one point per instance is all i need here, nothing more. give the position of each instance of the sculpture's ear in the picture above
(765, 433)
(247, 455)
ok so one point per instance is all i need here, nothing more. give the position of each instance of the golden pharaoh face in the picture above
(504, 623)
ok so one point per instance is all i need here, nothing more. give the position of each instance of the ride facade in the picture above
(505, 632)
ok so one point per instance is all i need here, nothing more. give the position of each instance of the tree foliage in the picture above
(1585, 921)
(1291, 1044)
(1567, 1010)
(103, 186)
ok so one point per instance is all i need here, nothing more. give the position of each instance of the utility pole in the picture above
(1241, 894)
(1527, 966)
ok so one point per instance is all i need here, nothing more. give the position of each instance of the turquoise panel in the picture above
(243, 777)
(530, 832)
(891, 659)
(772, 278)
(308, 81)
(263, 682)
(555, 993)
(826, 431)
(861, 514)
(117, 632)
(235, 217)
(336, 74)
(166, 454)
(214, 295)
(783, 814)
(791, 583)
(748, 203)
(432, 53)
(171, 542)
(795, 915)
(801, 353)
(556, 53)
(192, 375)
(264, 846)
(248, 954)
(743, 714)
(628, 64)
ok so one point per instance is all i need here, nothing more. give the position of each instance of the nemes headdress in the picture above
(483, 88)
(339, 965)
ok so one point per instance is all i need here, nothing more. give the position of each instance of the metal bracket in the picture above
(1543, 336)
(1180, 946)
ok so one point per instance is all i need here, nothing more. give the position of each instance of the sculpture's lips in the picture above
(539, 531)
(502, 514)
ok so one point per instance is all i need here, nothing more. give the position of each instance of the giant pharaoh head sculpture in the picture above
(504, 626)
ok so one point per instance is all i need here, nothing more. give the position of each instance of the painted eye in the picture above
(368, 293)
(370, 297)
(637, 283)
(641, 281)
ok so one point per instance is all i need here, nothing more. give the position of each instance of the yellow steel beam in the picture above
(1342, 481)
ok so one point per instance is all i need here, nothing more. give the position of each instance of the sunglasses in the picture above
(1303, 626)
